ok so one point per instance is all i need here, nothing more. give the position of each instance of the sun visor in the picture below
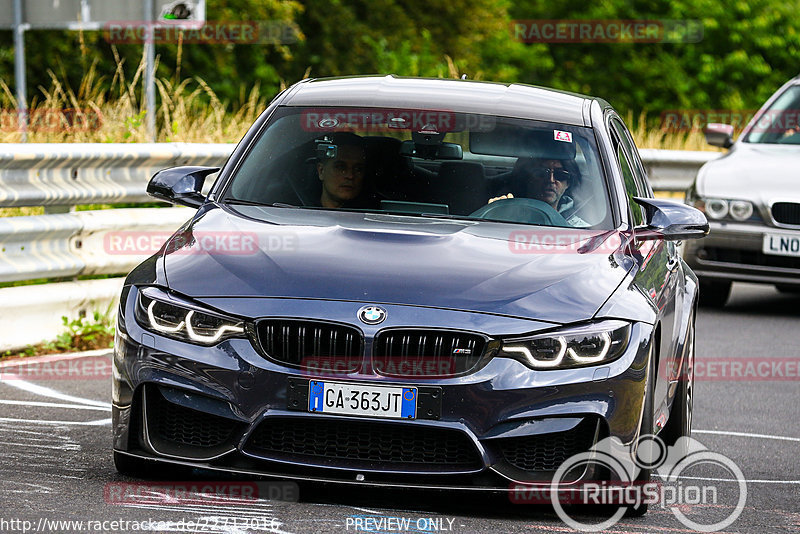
(506, 140)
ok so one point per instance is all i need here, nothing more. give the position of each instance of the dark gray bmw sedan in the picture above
(413, 282)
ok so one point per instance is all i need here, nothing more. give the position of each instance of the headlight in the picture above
(163, 313)
(741, 210)
(590, 344)
(716, 208)
(721, 208)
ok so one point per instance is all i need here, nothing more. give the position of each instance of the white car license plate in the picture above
(781, 245)
(361, 399)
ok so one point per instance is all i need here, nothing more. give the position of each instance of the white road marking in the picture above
(56, 405)
(99, 422)
(64, 447)
(754, 481)
(47, 392)
(745, 435)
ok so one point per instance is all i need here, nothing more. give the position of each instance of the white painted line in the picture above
(47, 392)
(748, 481)
(56, 405)
(99, 422)
(745, 435)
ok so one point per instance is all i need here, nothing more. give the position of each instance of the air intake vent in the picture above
(347, 443)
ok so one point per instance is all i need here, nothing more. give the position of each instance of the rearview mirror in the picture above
(670, 220)
(438, 151)
(720, 135)
(180, 185)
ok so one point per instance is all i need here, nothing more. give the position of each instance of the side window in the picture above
(636, 162)
(631, 189)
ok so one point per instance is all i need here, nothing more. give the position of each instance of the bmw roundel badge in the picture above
(372, 315)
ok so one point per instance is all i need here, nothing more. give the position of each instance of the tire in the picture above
(647, 428)
(679, 423)
(792, 290)
(714, 294)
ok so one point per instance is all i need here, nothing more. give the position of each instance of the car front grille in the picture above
(311, 344)
(786, 212)
(352, 444)
(426, 353)
(183, 426)
(749, 257)
(546, 452)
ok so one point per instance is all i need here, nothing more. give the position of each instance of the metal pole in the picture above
(149, 74)
(19, 70)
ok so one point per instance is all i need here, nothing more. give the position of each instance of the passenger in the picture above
(547, 180)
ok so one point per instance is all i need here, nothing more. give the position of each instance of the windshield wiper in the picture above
(244, 202)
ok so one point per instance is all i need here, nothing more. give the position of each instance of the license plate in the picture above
(781, 245)
(360, 399)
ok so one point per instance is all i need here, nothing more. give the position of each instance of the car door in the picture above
(659, 263)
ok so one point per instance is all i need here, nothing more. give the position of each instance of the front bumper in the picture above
(216, 408)
(734, 252)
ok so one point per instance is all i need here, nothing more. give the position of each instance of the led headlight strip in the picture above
(184, 323)
(588, 344)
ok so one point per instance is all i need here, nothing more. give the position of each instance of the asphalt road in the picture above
(56, 453)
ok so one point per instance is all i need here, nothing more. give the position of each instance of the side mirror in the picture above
(670, 220)
(720, 135)
(180, 185)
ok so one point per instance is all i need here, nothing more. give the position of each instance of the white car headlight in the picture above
(168, 316)
(590, 344)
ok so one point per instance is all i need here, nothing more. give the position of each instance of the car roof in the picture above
(460, 96)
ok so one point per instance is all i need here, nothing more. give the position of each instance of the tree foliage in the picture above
(749, 47)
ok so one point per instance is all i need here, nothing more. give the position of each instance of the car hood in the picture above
(372, 258)
(761, 173)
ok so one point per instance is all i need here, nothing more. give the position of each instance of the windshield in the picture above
(778, 124)
(426, 163)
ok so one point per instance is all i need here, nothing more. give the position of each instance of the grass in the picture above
(103, 110)
(112, 110)
(79, 335)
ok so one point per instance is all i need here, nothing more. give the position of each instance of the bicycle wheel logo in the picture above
(626, 482)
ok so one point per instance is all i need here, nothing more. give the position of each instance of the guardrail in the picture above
(40, 174)
(58, 245)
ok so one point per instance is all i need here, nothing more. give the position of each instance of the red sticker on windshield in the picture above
(558, 135)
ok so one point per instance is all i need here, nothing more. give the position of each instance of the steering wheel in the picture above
(521, 210)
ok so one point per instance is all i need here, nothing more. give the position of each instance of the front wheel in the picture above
(679, 424)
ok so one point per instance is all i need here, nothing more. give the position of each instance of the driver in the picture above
(547, 180)
(343, 176)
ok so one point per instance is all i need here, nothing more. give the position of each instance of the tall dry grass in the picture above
(113, 111)
(103, 111)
